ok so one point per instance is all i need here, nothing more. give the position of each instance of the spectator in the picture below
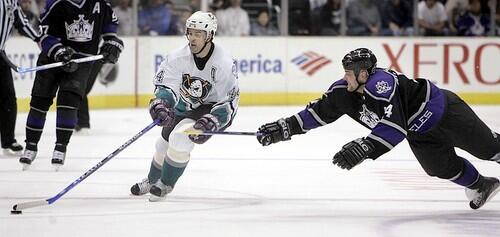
(233, 21)
(216, 5)
(431, 18)
(454, 9)
(399, 17)
(157, 19)
(262, 26)
(331, 17)
(497, 18)
(125, 15)
(363, 18)
(184, 13)
(473, 22)
(299, 17)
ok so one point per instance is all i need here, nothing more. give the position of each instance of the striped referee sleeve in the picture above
(21, 22)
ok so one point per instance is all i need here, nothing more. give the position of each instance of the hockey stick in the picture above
(189, 130)
(47, 66)
(24, 205)
(199, 132)
(58, 64)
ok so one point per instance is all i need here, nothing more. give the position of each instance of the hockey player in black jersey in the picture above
(70, 29)
(394, 107)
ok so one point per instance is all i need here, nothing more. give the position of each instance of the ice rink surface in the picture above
(234, 187)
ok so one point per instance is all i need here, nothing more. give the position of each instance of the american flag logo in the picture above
(310, 62)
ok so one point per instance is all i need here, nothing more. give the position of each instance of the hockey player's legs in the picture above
(8, 105)
(43, 91)
(468, 132)
(175, 161)
(436, 156)
(155, 170)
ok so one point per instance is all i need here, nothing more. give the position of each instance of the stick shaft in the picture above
(231, 133)
(59, 64)
(51, 200)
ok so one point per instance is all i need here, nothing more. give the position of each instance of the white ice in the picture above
(235, 187)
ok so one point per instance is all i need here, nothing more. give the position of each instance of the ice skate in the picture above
(27, 158)
(488, 189)
(15, 149)
(58, 159)
(141, 188)
(159, 191)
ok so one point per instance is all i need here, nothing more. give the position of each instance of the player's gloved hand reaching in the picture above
(270, 133)
(353, 153)
(207, 123)
(160, 109)
(65, 55)
(111, 51)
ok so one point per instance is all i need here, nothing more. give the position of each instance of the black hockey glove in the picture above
(353, 153)
(207, 123)
(274, 132)
(65, 55)
(160, 109)
(111, 50)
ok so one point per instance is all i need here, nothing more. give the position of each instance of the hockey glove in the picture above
(274, 132)
(64, 55)
(353, 153)
(160, 109)
(207, 123)
(111, 50)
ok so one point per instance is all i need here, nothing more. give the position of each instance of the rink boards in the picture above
(292, 70)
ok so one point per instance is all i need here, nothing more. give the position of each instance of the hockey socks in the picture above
(171, 172)
(469, 177)
(36, 121)
(154, 172)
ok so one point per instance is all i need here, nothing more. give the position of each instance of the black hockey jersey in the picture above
(78, 24)
(392, 106)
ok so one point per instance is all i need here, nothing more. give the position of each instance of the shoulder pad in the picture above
(381, 85)
(338, 84)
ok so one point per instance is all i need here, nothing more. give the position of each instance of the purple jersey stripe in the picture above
(48, 42)
(431, 114)
(388, 133)
(308, 120)
(110, 28)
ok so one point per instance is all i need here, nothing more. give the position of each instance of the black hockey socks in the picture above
(67, 105)
(171, 171)
(154, 172)
(469, 177)
(36, 121)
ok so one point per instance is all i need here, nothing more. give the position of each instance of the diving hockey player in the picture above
(394, 107)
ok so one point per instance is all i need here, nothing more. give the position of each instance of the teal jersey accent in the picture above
(166, 94)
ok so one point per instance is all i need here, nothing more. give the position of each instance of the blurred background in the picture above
(289, 51)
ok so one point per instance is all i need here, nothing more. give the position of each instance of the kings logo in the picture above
(80, 30)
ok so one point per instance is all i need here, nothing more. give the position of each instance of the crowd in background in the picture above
(307, 17)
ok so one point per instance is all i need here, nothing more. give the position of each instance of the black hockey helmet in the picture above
(360, 59)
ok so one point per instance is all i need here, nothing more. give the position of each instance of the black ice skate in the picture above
(58, 159)
(141, 188)
(159, 191)
(27, 158)
(15, 149)
(487, 190)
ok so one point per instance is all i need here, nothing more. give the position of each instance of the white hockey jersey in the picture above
(183, 85)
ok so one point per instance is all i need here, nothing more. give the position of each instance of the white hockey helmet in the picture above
(205, 21)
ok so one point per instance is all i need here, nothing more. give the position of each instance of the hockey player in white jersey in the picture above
(196, 84)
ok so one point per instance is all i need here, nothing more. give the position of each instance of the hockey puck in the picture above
(16, 212)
